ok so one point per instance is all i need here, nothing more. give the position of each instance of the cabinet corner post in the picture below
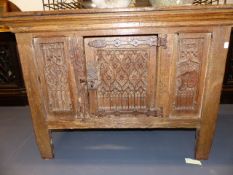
(38, 112)
(213, 85)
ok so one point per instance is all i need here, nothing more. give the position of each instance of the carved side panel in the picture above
(121, 73)
(56, 76)
(53, 57)
(190, 72)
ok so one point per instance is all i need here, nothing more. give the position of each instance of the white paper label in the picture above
(193, 161)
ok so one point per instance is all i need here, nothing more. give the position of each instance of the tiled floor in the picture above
(154, 152)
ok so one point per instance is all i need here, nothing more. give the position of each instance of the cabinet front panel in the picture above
(55, 74)
(121, 73)
(192, 53)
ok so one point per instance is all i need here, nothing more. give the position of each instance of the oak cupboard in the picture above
(124, 68)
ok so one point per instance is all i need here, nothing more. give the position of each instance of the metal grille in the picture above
(79, 4)
(209, 2)
(62, 4)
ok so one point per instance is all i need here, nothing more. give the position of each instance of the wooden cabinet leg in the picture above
(213, 86)
(44, 142)
(204, 138)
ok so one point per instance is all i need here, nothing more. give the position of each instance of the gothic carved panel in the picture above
(190, 64)
(56, 76)
(121, 74)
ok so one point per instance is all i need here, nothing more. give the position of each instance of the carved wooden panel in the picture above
(123, 79)
(53, 59)
(121, 74)
(190, 71)
(56, 75)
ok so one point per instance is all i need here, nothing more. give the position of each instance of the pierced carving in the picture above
(149, 41)
(56, 76)
(188, 71)
(122, 76)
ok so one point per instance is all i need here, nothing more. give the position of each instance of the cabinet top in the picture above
(83, 19)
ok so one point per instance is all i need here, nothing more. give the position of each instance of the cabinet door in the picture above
(56, 75)
(121, 75)
(190, 73)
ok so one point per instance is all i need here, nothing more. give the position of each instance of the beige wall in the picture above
(228, 1)
(28, 5)
(36, 5)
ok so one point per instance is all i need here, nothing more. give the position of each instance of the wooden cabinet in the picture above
(124, 68)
